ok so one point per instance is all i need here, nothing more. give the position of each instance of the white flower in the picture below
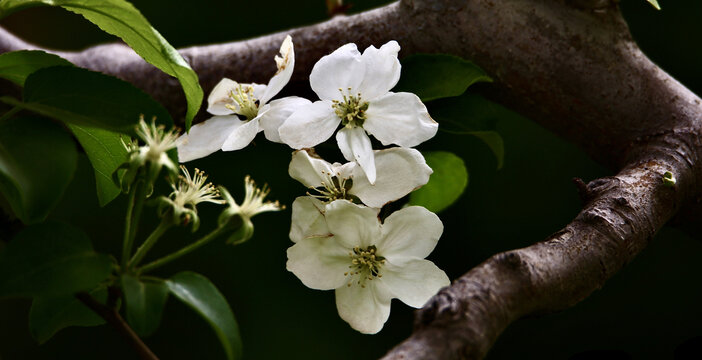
(157, 142)
(354, 89)
(369, 263)
(187, 193)
(241, 215)
(228, 99)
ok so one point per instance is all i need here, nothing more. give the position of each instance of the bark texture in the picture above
(572, 66)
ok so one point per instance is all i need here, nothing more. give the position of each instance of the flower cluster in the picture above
(340, 242)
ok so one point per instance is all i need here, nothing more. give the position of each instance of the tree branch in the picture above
(571, 66)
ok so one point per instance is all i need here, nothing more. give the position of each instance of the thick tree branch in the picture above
(570, 65)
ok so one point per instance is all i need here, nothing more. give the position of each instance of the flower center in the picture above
(366, 263)
(352, 110)
(243, 96)
(334, 188)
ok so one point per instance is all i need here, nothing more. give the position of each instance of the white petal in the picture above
(207, 137)
(308, 170)
(320, 263)
(413, 281)
(365, 309)
(308, 219)
(410, 232)
(279, 111)
(310, 125)
(219, 97)
(241, 136)
(341, 69)
(353, 225)
(356, 146)
(400, 118)
(382, 70)
(285, 63)
(399, 171)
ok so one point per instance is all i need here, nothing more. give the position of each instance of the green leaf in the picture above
(122, 19)
(106, 153)
(51, 259)
(435, 76)
(49, 315)
(445, 185)
(654, 3)
(37, 162)
(144, 299)
(17, 65)
(202, 296)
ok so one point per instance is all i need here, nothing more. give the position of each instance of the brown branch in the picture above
(570, 65)
(112, 316)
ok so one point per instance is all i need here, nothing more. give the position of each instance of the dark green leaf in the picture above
(17, 65)
(144, 299)
(494, 141)
(106, 152)
(49, 315)
(435, 76)
(202, 296)
(51, 259)
(445, 185)
(120, 18)
(37, 162)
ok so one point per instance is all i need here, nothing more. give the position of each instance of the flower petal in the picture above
(219, 97)
(285, 63)
(207, 137)
(400, 118)
(242, 136)
(320, 263)
(308, 219)
(413, 281)
(382, 70)
(356, 146)
(398, 170)
(308, 170)
(341, 69)
(353, 225)
(410, 232)
(310, 125)
(279, 111)
(365, 309)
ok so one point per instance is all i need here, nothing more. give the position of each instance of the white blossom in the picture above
(241, 214)
(229, 100)
(369, 263)
(354, 89)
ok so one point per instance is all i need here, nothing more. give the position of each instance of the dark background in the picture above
(645, 312)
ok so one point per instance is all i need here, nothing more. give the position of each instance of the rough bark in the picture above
(570, 65)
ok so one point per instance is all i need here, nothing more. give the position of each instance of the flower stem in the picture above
(10, 113)
(165, 224)
(127, 242)
(184, 251)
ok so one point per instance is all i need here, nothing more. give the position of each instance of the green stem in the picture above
(165, 224)
(10, 113)
(184, 251)
(126, 243)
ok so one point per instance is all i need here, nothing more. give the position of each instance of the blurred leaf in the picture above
(87, 98)
(37, 162)
(51, 259)
(49, 315)
(17, 65)
(445, 185)
(202, 296)
(654, 3)
(435, 76)
(106, 153)
(492, 139)
(144, 299)
(122, 19)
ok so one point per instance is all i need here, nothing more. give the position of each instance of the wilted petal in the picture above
(308, 170)
(341, 69)
(219, 97)
(382, 70)
(207, 137)
(353, 225)
(365, 309)
(241, 136)
(400, 118)
(320, 263)
(410, 232)
(310, 125)
(399, 171)
(285, 63)
(356, 146)
(308, 219)
(413, 281)
(278, 112)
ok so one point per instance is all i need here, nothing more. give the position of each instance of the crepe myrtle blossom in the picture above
(229, 100)
(369, 263)
(354, 91)
(239, 216)
(188, 191)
